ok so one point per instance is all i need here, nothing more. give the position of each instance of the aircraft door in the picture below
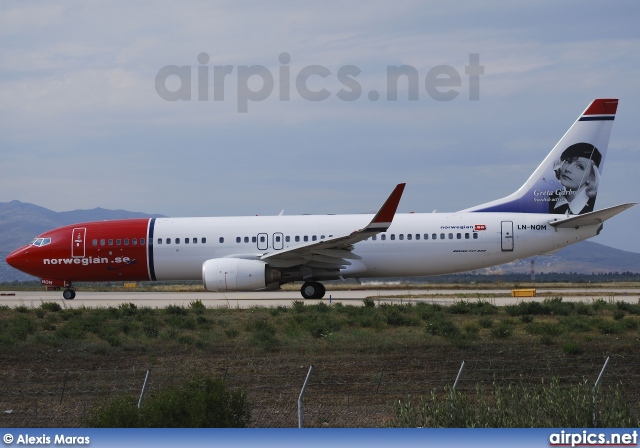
(78, 242)
(507, 236)
(278, 241)
(263, 241)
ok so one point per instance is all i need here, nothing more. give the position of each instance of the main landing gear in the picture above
(312, 290)
(69, 294)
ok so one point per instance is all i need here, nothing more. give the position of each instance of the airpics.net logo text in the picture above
(313, 82)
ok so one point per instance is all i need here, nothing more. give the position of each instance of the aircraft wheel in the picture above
(312, 290)
(69, 294)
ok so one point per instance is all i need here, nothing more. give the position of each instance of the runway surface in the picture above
(285, 298)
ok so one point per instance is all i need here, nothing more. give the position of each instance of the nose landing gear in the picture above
(69, 294)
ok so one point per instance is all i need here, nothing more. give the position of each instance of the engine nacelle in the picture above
(237, 274)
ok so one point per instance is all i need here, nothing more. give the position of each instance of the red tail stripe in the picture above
(602, 106)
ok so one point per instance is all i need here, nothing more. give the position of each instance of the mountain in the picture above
(20, 222)
(585, 257)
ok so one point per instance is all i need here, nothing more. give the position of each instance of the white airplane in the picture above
(553, 209)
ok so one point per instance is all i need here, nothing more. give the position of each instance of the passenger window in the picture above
(126, 241)
(409, 236)
(246, 239)
(475, 236)
(306, 238)
(94, 242)
(442, 236)
(159, 240)
(195, 241)
(374, 237)
(142, 241)
(177, 240)
(110, 242)
(426, 236)
(297, 239)
(417, 236)
(451, 236)
(313, 238)
(168, 240)
(459, 236)
(221, 240)
(102, 241)
(434, 236)
(466, 236)
(118, 242)
(238, 239)
(287, 239)
(134, 241)
(262, 239)
(383, 237)
(204, 240)
(401, 236)
(393, 236)
(321, 237)
(254, 239)
(186, 241)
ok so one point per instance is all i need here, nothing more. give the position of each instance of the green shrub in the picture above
(502, 331)
(544, 328)
(368, 303)
(298, 306)
(485, 322)
(197, 306)
(628, 307)
(618, 314)
(471, 328)
(202, 402)
(18, 328)
(481, 308)
(521, 405)
(576, 324)
(50, 306)
(150, 326)
(571, 348)
(606, 326)
(127, 309)
(263, 333)
(441, 326)
(395, 317)
(176, 310)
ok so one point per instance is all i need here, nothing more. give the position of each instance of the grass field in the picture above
(57, 363)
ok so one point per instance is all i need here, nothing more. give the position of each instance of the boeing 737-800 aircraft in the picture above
(554, 208)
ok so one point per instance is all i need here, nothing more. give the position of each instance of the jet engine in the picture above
(237, 274)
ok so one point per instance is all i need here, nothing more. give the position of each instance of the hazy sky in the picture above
(83, 123)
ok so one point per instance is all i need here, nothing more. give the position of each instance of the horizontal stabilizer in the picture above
(592, 218)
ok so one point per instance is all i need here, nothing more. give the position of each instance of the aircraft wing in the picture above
(335, 252)
(591, 218)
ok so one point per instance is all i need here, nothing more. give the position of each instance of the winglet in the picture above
(384, 217)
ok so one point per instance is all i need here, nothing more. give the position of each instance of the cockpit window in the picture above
(39, 242)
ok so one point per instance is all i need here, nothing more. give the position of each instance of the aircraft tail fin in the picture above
(566, 182)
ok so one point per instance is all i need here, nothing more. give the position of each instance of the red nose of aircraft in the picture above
(19, 259)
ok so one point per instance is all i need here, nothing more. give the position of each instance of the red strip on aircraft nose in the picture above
(96, 251)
